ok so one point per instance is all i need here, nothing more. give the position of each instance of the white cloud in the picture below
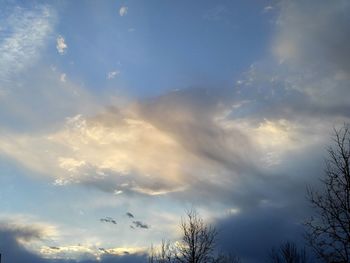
(27, 33)
(85, 147)
(61, 45)
(123, 10)
(113, 74)
(92, 251)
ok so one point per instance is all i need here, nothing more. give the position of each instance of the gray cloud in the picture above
(13, 251)
(189, 115)
(308, 89)
(315, 33)
(310, 79)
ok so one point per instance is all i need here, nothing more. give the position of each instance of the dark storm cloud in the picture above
(11, 250)
(253, 233)
(273, 210)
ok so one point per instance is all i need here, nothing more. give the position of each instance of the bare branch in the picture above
(328, 232)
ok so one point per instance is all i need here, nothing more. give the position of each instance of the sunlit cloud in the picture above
(85, 147)
(133, 150)
(92, 251)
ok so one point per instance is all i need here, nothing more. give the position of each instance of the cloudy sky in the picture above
(117, 116)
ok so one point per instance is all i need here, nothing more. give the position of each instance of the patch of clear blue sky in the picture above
(160, 45)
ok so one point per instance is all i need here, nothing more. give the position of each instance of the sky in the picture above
(118, 116)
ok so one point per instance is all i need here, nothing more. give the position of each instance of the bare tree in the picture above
(198, 241)
(197, 244)
(165, 254)
(152, 255)
(328, 232)
(288, 253)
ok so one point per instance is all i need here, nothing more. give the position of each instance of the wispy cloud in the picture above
(216, 14)
(61, 45)
(123, 11)
(268, 8)
(27, 33)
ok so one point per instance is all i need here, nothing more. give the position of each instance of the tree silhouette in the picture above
(197, 244)
(164, 255)
(198, 240)
(287, 253)
(328, 232)
(223, 258)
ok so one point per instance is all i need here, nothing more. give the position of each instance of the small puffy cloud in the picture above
(123, 10)
(130, 215)
(139, 224)
(61, 45)
(113, 74)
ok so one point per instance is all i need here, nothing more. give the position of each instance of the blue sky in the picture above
(167, 45)
(153, 107)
